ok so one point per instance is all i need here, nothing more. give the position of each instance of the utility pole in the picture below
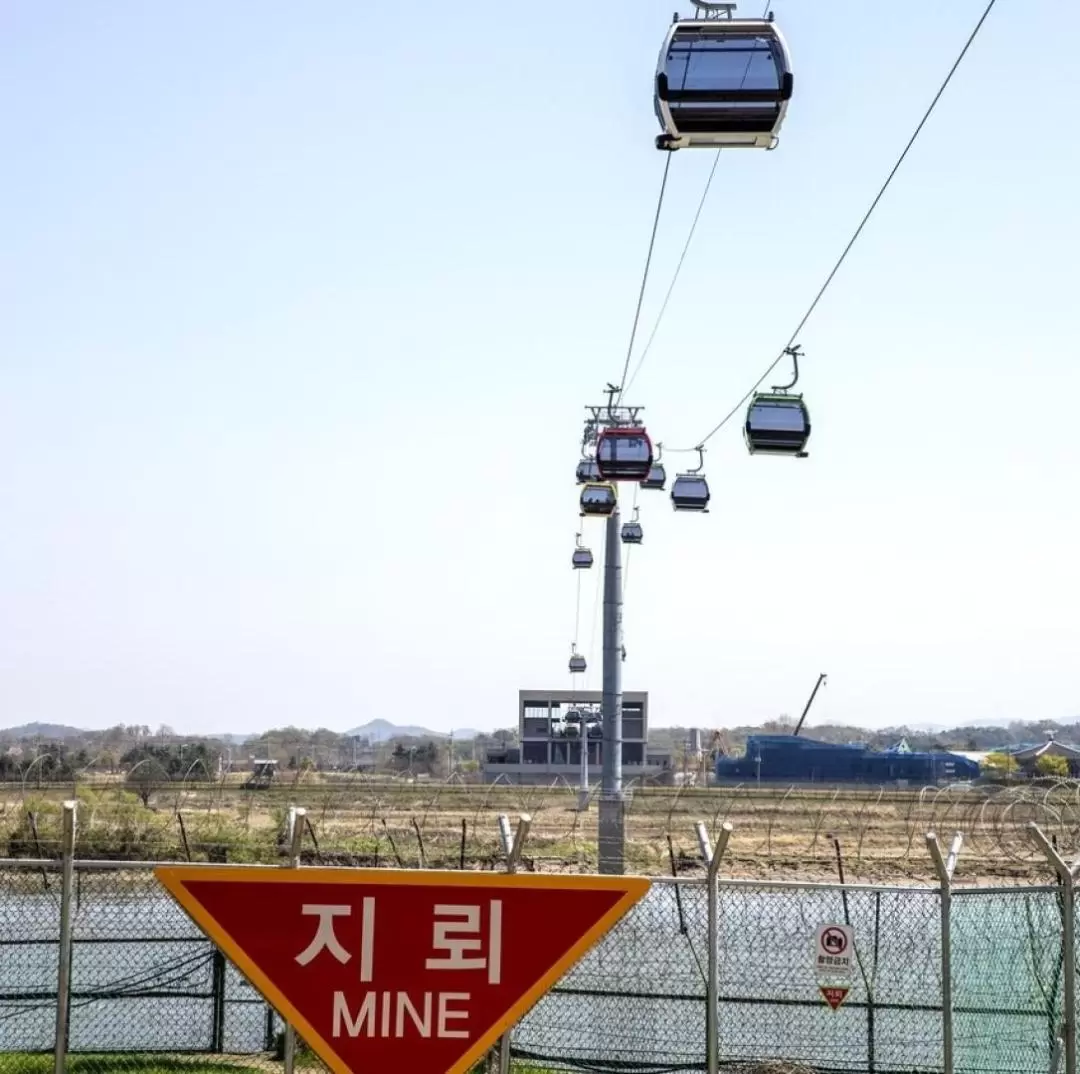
(583, 783)
(612, 819)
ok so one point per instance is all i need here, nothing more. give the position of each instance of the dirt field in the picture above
(779, 832)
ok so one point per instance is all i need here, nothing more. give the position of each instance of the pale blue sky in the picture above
(301, 306)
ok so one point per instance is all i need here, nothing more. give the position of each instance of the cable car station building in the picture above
(550, 726)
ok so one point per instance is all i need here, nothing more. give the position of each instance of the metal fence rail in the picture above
(142, 980)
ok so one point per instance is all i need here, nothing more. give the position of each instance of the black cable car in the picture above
(583, 557)
(587, 470)
(777, 423)
(722, 83)
(598, 500)
(690, 493)
(624, 454)
(657, 478)
(631, 531)
(577, 661)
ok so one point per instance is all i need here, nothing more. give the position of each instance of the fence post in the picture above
(712, 859)
(945, 868)
(511, 845)
(67, 897)
(296, 839)
(217, 1018)
(1067, 874)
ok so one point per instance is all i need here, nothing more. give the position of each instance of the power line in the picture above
(858, 231)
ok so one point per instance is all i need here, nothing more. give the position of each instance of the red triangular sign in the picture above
(834, 994)
(419, 971)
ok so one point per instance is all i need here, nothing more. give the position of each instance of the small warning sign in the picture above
(835, 944)
(834, 994)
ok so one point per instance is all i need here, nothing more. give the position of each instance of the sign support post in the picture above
(945, 868)
(512, 846)
(712, 860)
(67, 899)
(296, 838)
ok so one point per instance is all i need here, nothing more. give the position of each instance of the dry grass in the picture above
(779, 832)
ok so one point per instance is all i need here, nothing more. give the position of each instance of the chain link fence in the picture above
(149, 994)
(637, 1000)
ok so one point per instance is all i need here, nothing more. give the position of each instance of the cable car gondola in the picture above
(777, 424)
(657, 476)
(583, 557)
(722, 82)
(777, 421)
(631, 531)
(587, 470)
(598, 499)
(577, 661)
(690, 492)
(624, 454)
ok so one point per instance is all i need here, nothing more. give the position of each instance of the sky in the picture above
(301, 306)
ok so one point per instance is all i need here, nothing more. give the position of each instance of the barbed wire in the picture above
(403, 821)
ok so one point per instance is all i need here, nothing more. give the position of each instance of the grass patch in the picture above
(131, 1063)
(127, 1063)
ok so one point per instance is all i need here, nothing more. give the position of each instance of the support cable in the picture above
(858, 231)
(675, 278)
(644, 278)
(686, 245)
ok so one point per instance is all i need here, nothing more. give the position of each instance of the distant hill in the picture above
(41, 730)
(383, 730)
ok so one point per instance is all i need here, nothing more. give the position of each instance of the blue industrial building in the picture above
(804, 760)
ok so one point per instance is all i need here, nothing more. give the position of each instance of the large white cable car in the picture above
(690, 492)
(722, 82)
(583, 557)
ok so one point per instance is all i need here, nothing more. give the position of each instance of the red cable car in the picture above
(624, 454)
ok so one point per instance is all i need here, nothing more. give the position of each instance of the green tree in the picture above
(1049, 765)
(146, 776)
(999, 765)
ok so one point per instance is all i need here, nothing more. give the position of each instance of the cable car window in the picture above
(727, 64)
(692, 486)
(777, 418)
(624, 448)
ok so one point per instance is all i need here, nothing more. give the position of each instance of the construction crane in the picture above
(817, 686)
